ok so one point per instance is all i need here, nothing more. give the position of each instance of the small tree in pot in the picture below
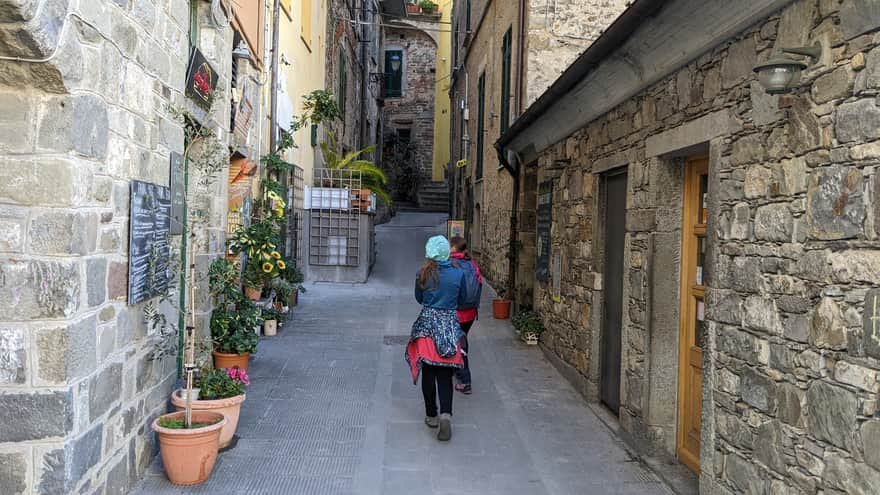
(233, 331)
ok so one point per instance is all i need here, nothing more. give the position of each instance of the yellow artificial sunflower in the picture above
(267, 267)
(276, 255)
(281, 265)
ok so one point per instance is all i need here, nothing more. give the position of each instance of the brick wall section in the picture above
(415, 109)
(77, 387)
(791, 372)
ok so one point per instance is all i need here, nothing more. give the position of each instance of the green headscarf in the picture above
(437, 248)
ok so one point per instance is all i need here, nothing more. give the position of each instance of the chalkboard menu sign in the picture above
(178, 193)
(545, 220)
(148, 241)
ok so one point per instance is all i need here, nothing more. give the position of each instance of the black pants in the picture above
(464, 374)
(437, 379)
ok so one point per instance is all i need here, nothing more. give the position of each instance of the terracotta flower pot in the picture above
(270, 328)
(223, 360)
(253, 294)
(189, 454)
(230, 408)
(501, 309)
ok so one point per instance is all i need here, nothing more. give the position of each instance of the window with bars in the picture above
(481, 127)
(393, 73)
(506, 43)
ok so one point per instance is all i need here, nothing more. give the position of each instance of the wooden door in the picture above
(693, 310)
(612, 315)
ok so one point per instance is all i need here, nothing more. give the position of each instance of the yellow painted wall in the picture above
(303, 45)
(441, 98)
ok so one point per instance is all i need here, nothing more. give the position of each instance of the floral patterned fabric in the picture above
(435, 339)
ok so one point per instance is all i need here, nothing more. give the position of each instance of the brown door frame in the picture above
(692, 290)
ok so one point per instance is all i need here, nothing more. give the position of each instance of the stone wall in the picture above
(78, 387)
(790, 386)
(559, 31)
(414, 110)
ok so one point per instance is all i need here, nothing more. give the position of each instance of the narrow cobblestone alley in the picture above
(331, 408)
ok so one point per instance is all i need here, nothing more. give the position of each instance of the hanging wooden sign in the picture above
(201, 80)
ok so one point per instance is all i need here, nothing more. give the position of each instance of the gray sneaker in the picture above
(432, 421)
(445, 432)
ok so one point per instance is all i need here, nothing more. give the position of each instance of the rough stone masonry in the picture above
(78, 389)
(792, 355)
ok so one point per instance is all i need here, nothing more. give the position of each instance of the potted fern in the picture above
(372, 177)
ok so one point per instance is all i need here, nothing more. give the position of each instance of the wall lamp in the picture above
(781, 73)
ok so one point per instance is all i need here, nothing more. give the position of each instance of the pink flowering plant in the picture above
(223, 383)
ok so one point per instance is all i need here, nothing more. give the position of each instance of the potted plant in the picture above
(189, 453)
(529, 326)
(253, 281)
(427, 6)
(294, 276)
(501, 306)
(412, 8)
(222, 392)
(271, 318)
(232, 331)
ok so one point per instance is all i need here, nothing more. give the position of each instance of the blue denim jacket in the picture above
(450, 293)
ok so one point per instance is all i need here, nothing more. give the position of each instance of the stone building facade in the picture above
(82, 116)
(787, 311)
(408, 111)
(529, 45)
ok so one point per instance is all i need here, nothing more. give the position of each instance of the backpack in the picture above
(472, 286)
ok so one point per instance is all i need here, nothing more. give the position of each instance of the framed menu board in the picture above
(544, 223)
(149, 229)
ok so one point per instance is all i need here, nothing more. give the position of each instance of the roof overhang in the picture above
(650, 40)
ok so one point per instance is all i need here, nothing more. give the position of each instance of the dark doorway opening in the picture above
(612, 315)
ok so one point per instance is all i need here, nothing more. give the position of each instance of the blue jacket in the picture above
(450, 293)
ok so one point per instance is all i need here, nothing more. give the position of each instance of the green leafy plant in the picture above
(180, 423)
(223, 279)
(273, 314)
(223, 383)
(427, 6)
(292, 274)
(372, 177)
(319, 106)
(528, 322)
(232, 330)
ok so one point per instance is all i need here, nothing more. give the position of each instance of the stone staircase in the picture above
(433, 196)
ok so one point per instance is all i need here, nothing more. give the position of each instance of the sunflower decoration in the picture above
(276, 255)
(281, 264)
(268, 267)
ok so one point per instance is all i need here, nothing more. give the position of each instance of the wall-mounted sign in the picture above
(455, 228)
(243, 117)
(544, 223)
(148, 241)
(178, 193)
(201, 79)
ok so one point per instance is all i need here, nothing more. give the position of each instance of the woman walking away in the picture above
(467, 312)
(434, 345)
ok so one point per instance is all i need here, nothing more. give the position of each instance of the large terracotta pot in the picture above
(230, 408)
(189, 454)
(501, 309)
(253, 294)
(223, 360)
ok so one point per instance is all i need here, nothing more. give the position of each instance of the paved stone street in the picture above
(332, 409)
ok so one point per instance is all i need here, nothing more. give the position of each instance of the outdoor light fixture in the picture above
(781, 74)
(241, 51)
(395, 63)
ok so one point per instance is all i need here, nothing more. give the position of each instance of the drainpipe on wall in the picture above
(365, 75)
(273, 112)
